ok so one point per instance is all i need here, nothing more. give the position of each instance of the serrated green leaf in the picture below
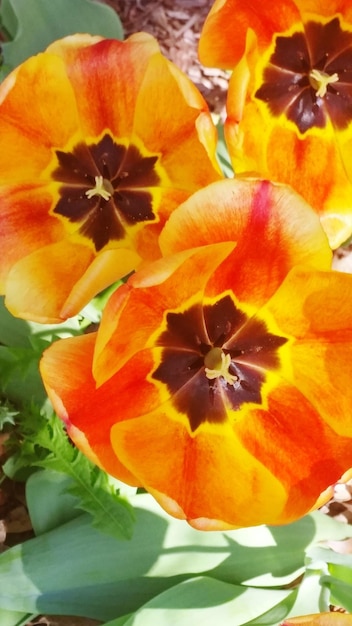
(7, 415)
(110, 512)
(39, 22)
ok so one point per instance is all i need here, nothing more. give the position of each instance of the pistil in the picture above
(219, 363)
(320, 80)
(101, 189)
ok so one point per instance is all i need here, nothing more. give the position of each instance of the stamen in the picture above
(99, 189)
(320, 80)
(221, 369)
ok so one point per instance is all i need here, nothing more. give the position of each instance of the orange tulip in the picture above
(334, 618)
(289, 106)
(99, 141)
(219, 377)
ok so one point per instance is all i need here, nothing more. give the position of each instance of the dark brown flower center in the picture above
(309, 77)
(214, 359)
(106, 189)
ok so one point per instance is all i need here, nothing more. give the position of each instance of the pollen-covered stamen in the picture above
(102, 188)
(320, 80)
(217, 365)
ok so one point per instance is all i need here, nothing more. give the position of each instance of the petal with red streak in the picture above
(25, 223)
(223, 37)
(165, 88)
(274, 229)
(210, 475)
(38, 114)
(116, 70)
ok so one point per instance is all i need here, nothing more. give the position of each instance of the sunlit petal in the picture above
(100, 141)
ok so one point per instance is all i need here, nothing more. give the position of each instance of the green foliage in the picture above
(222, 153)
(41, 442)
(32, 25)
(7, 415)
(168, 572)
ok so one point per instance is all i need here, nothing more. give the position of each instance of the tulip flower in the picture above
(332, 618)
(289, 105)
(219, 377)
(100, 141)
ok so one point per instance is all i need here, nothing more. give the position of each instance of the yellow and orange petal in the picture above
(316, 166)
(290, 98)
(75, 398)
(103, 178)
(273, 229)
(223, 38)
(332, 618)
(257, 444)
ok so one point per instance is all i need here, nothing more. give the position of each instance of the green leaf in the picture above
(21, 346)
(341, 593)
(207, 601)
(20, 381)
(14, 618)
(48, 501)
(223, 154)
(18, 333)
(312, 596)
(39, 22)
(119, 621)
(110, 512)
(107, 579)
(7, 415)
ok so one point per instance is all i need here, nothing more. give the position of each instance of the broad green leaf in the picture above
(39, 22)
(207, 601)
(326, 555)
(48, 502)
(275, 555)
(312, 596)
(277, 613)
(8, 19)
(77, 570)
(119, 621)
(341, 593)
(14, 618)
